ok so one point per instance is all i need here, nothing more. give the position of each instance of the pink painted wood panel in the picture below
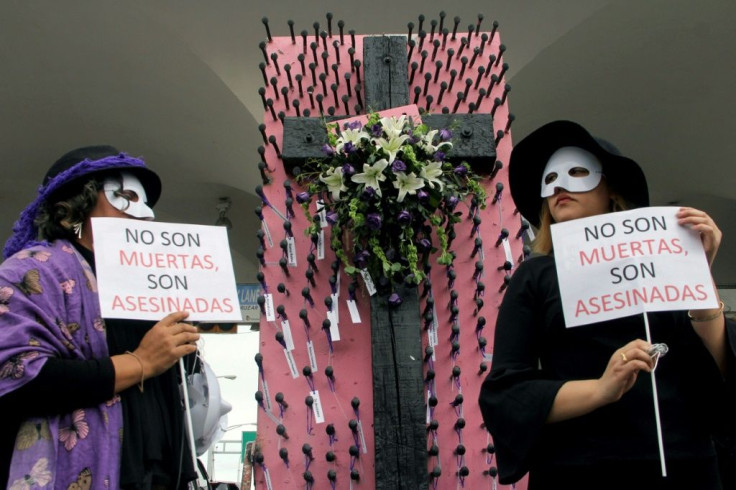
(351, 357)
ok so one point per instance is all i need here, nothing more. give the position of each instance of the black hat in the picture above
(530, 156)
(151, 182)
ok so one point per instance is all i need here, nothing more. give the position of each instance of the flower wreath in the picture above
(387, 189)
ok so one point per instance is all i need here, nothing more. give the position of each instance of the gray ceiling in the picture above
(176, 81)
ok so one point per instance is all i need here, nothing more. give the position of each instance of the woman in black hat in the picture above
(567, 405)
(86, 402)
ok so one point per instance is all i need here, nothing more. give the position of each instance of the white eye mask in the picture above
(559, 171)
(127, 182)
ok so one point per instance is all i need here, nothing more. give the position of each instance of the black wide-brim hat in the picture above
(530, 156)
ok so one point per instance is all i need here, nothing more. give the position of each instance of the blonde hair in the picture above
(542, 243)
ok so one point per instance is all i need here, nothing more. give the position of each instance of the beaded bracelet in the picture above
(140, 385)
(709, 317)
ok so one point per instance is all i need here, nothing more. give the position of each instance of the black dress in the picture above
(614, 446)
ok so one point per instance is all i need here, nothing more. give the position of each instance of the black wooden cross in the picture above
(398, 386)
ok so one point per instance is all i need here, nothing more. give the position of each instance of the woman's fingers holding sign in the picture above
(623, 369)
(167, 342)
(709, 232)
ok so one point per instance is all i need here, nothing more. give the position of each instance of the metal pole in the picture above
(187, 411)
(211, 462)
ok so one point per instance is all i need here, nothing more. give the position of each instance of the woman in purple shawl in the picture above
(87, 402)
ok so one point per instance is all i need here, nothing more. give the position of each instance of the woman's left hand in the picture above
(699, 221)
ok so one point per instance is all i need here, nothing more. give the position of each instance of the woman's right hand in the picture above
(165, 343)
(623, 369)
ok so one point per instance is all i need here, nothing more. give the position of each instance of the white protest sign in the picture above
(619, 264)
(146, 270)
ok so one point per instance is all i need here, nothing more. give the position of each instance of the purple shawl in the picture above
(49, 308)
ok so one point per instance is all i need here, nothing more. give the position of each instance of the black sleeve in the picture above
(515, 399)
(63, 385)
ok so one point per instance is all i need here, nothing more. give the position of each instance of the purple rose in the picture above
(439, 156)
(353, 125)
(395, 300)
(327, 150)
(361, 259)
(445, 134)
(452, 202)
(332, 218)
(348, 170)
(349, 148)
(368, 193)
(376, 130)
(404, 218)
(461, 170)
(374, 221)
(398, 166)
(303, 197)
(422, 196)
(424, 245)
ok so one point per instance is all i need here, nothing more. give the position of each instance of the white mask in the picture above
(127, 182)
(573, 169)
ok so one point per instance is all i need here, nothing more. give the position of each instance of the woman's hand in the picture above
(580, 397)
(165, 343)
(699, 221)
(623, 369)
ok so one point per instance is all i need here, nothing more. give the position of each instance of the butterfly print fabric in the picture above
(49, 308)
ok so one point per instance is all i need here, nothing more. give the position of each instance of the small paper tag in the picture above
(507, 250)
(288, 339)
(266, 395)
(312, 356)
(435, 320)
(322, 213)
(319, 416)
(321, 245)
(488, 356)
(335, 306)
(334, 327)
(429, 416)
(530, 234)
(292, 364)
(264, 225)
(432, 333)
(267, 475)
(354, 313)
(368, 282)
(291, 251)
(270, 313)
(362, 437)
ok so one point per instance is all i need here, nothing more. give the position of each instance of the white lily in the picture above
(372, 175)
(393, 126)
(430, 172)
(407, 184)
(350, 136)
(333, 180)
(428, 145)
(391, 146)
